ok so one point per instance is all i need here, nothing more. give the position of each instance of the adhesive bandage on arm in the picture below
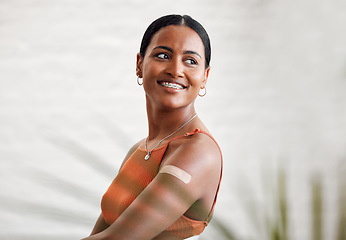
(176, 172)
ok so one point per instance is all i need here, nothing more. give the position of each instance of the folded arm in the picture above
(166, 198)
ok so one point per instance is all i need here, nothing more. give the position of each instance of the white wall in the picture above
(70, 106)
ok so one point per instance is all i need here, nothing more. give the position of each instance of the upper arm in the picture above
(167, 197)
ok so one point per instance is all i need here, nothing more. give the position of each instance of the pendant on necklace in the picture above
(147, 156)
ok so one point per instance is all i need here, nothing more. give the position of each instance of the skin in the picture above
(175, 55)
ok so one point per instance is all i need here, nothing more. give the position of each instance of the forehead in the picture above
(178, 38)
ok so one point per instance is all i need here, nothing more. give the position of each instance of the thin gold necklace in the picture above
(146, 140)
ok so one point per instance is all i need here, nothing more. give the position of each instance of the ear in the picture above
(206, 75)
(139, 65)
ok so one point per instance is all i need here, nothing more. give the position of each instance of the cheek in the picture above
(150, 73)
(151, 68)
(197, 79)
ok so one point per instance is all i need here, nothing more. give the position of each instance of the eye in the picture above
(162, 55)
(191, 61)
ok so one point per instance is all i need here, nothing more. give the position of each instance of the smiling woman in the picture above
(168, 183)
(173, 63)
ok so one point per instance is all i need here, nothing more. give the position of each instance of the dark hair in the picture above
(178, 20)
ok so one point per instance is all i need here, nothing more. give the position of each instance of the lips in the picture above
(173, 85)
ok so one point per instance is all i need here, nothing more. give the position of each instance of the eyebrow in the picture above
(171, 50)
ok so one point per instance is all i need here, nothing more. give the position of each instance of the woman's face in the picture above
(173, 68)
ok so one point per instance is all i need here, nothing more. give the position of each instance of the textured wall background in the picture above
(70, 107)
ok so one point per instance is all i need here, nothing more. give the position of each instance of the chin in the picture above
(177, 104)
(170, 101)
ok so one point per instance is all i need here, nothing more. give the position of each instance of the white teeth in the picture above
(171, 85)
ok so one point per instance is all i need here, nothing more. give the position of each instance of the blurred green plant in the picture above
(341, 220)
(276, 225)
(317, 208)
(223, 231)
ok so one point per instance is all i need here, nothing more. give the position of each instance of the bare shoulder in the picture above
(130, 152)
(200, 148)
(198, 154)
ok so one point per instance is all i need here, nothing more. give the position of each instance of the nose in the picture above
(175, 68)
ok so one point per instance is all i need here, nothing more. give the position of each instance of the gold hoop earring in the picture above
(205, 92)
(140, 83)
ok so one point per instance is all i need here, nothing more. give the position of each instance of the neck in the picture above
(163, 122)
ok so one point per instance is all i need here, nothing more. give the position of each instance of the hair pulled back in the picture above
(177, 20)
